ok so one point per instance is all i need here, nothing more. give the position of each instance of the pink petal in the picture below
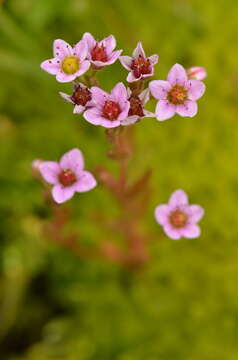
(78, 109)
(93, 116)
(191, 231)
(189, 108)
(119, 92)
(164, 110)
(138, 51)
(130, 120)
(84, 66)
(195, 213)
(62, 49)
(177, 75)
(86, 182)
(99, 64)
(66, 97)
(110, 124)
(159, 89)
(91, 42)
(178, 198)
(62, 77)
(132, 78)
(195, 88)
(98, 95)
(51, 66)
(72, 160)
(109, 43)
(144, 76)
(49, 171)
(162, 213)
(81, 50)
(153, 59)
(62, 193)
(145, 96)
(125, 109)
(113, 57)
(149, 113)
(171, 232)
(126, 61)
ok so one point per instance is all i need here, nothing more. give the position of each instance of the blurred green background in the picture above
(184, 304)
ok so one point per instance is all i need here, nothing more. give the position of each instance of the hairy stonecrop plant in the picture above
(118, 111)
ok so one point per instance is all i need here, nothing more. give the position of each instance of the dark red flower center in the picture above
(177, 95)
(140, 66)
(136, 106)
(111, 110)
(178, 219)
(99, 53)
(81, 96)
(67, 177)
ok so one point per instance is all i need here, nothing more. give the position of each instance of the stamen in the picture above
(111, 110)
(177, 95)
(67, 177)
(81, 96)
(70, 65)
(178, 219)
(99, 53)
(140, 66)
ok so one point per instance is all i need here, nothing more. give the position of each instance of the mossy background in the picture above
(184, 304)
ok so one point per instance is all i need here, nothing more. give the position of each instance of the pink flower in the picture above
(68, 62)
(177, 94)
(196, 73)
(137, 104)
(178, 218)
(101, 53)
(81, 98)
(139, 65)
(109, 110)
(68, 176)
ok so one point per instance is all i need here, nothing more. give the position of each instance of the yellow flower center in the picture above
(70, 65)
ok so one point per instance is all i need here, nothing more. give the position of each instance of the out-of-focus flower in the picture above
(81, 98)
(35, 166)
(68, 62)
(68, 176)
(109, 110)
(178, 218)
(197, 73)
(139, 65)
(177, 94)
(101, 53)
(137, 107)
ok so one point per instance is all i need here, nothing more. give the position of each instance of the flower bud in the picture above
(196, 73)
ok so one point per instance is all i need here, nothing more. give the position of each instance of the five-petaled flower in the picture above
(109, 110)
(137, 107)
(81, 98)
(178, 218)
(68, 176)
(197, 73)
(177, 94)
(139, 65)
(68, 62)
(101, 53)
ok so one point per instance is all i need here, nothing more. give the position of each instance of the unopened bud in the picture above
(35, 165)
(196, 73)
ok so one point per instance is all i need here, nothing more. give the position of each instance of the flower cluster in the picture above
(123, 105)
